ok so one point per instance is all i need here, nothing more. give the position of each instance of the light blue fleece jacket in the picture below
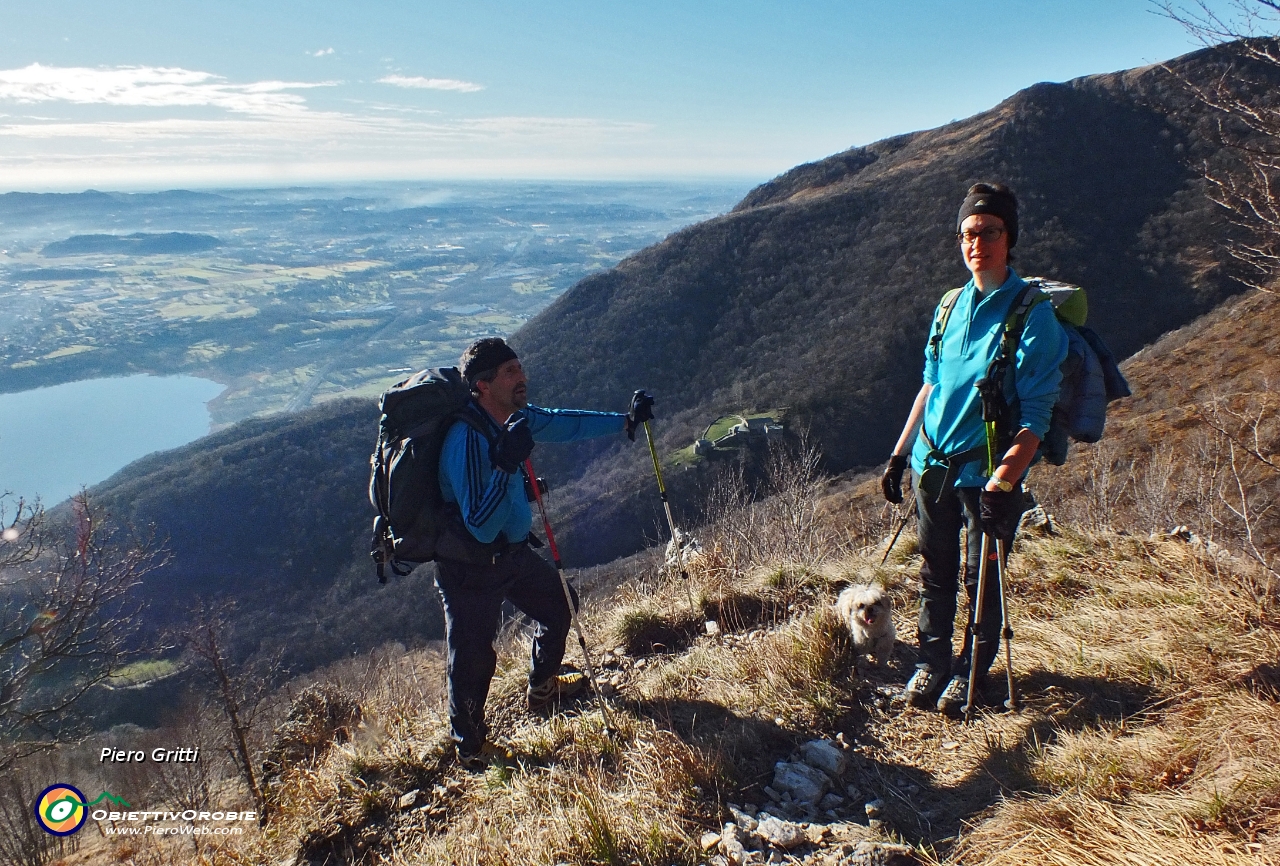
(953, 413)
(491, 500)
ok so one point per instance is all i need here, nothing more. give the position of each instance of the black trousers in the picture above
(940, 523)
(473, 596)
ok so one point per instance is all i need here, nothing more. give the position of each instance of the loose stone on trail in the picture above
(803, 782)
(825, 756)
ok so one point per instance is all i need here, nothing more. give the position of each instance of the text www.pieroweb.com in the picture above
(184, 830)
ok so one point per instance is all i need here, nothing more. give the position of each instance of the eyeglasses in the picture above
(988, 235)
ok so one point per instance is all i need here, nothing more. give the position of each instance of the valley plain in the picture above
(290, 297)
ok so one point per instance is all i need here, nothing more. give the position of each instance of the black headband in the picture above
(491, 356)
(998, 204)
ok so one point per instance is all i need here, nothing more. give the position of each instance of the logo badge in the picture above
(60, 810)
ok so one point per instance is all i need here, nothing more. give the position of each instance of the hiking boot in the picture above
(923, 688)
(953, 698)
(557, 688)
(490, 753)
(956, 695)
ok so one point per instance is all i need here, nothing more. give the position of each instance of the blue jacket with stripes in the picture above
(491, 500)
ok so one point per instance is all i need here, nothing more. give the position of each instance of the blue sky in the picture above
(163, 93)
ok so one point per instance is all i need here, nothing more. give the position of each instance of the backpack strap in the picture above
(999, 413)
(470, 415)
(1014, 324)
(940, 321)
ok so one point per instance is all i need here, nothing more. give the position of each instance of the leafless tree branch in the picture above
(67, 623)
(1245, 182)
(240, 691)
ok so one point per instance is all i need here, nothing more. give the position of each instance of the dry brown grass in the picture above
(1136, 745)
(1188, 771)
(1149, 733)
(587, 798)
(1080, 830)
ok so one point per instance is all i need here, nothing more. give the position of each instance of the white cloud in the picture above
(322, 52)
(326, 130)
(419, 83)
(265, 132)
(151, 86)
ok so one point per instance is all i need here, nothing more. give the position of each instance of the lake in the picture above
(55, 440)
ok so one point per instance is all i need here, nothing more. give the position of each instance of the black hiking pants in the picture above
(473, 596)
(939, 529)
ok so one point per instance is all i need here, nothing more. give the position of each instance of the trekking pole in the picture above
(671, 521)
(902, 524)
(568, 598)
(1007, 632)
(975, 627)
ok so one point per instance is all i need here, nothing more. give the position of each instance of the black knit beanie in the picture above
(995, 199)
(482, 356)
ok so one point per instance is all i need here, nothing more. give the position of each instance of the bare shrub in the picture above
(22, 842)
(1153, 491)
(1248, 429)
(240, 691)
(1245, 181)
(1103, 487)
(776, 519)
(69, 617)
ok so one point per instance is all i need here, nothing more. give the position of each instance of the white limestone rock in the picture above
(825, 756)
(803, 782)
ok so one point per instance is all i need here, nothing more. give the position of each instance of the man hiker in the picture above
(485, 555)
(949, 457)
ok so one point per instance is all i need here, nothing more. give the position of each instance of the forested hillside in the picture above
(273, 514)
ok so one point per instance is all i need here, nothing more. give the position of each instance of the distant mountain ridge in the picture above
(815, 293)
(136, 244)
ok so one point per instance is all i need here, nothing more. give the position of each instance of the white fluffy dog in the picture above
(868, 613)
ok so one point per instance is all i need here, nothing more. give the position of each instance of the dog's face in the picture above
(865, 608)
(870, 605)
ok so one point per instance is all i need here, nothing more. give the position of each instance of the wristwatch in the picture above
(1002, 485)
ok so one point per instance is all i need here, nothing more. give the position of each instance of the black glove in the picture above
(640, 412)
(999, 512)
(513, 447)
(891, 481)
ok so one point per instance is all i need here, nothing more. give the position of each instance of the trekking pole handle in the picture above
(542, 509)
